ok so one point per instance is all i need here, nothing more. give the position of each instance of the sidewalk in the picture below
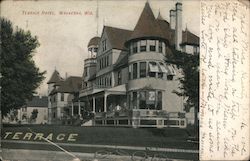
(43, 155)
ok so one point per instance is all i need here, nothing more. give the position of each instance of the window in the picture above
(170, 77)
(130, 71)
(134, 70)
(152, 44)
(159, 101)
(110, 81)
(142, 103)
(160, 46)
(143, 45)
(119, 78)
(107, 60)
(160, 75)
(142, 69)
(135, 47)
(104, 45)
(151, 97)
(104, 62)
(134, 100)
(62, 96)
(163, 68)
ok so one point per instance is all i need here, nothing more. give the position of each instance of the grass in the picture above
(149, 137)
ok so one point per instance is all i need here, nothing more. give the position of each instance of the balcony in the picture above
(92, 89)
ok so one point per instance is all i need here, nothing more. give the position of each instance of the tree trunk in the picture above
(196, 121)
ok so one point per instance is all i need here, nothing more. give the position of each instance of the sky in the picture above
(64, 37)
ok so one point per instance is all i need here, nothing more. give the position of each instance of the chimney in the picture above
(172, 19)
(66, 75)
(178, 30)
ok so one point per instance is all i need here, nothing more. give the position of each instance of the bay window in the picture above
(146, 99)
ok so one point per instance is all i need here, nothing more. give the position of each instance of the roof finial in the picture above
(97, 17)
(159, 17)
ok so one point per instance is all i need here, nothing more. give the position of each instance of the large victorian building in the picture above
(128, 80)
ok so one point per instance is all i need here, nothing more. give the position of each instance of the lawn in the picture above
(146, 137)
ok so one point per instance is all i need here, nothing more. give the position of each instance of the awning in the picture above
(171, 70)
(163, 69)
(153, 67)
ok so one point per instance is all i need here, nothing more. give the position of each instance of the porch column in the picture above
(105, 102)
(72, 109)
(79, 108)
(93, 108)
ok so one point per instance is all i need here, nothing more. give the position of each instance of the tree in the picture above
(190, 81)
(19, 75)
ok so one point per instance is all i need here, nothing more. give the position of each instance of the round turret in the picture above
(93, 46)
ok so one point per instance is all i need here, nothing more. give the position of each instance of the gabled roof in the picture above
(71, 85)
(189, 38)
(38, 101)
(117, 36)
(147, 25)
(55, 77)
(121, 61)
(94, 41)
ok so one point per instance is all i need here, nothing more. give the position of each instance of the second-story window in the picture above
(134, 70)
(130, 72)
(153, 69)
(142, 69)
(62, 96)
(119, 77)
(143, 45)
(104, 45)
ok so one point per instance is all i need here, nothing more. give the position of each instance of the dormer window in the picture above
(143, 45)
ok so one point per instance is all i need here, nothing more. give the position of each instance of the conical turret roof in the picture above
(147, 26)
(55, 77)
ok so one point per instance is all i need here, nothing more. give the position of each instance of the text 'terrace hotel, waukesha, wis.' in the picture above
(127, 80)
